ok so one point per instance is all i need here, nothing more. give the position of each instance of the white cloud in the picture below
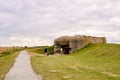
(24, 40)
(48, 19)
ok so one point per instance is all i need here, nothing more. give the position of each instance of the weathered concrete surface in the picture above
(22, 69)
(75, 42)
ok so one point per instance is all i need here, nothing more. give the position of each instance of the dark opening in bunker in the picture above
(65, 49)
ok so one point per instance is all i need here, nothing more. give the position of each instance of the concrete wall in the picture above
(76, 42)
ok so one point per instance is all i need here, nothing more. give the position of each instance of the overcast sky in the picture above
(39, 22)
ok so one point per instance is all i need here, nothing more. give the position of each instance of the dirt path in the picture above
(22, 69)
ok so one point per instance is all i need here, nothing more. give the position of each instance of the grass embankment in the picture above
(94, 62)
(6, 61)
(40, 50)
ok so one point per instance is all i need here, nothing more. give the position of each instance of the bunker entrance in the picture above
(65, 49)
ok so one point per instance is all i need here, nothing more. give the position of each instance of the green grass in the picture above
(7, 59)
(40, 50)
(36, 50)
(50, 48)
(94, 62)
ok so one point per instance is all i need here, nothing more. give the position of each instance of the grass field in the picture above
(2, 49)
(94, 62)
(7, 58)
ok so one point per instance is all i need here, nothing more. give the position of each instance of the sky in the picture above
(39, 22)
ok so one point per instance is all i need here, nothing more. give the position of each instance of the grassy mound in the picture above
(94, 62)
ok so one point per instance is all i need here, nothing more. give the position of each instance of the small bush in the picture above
(4, 53)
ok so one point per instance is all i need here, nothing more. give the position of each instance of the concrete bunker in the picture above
(69, 44)
(62, 46)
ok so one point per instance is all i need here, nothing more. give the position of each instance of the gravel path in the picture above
(22, 69)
